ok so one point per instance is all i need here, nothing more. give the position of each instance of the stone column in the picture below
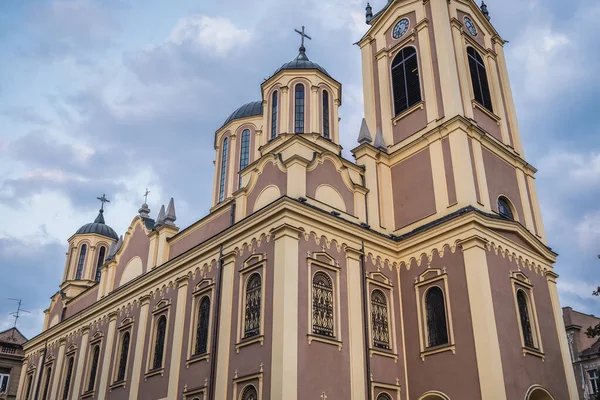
(80, 362)
(38, 373)
(54, 388)
(356, 341)
(108, 352)
(284, 111)
(177, 348)
(314, 111)
(138, 353)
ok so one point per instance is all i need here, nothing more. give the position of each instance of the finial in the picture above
(485, 11)
(160, 220)
(364, 135)
(379, 141)
(103, 200)
(302, 35)
(170, 216)
(369, 14)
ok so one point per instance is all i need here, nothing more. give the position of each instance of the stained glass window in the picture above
(437, 331)
(525, 321)
(47, 383)
(123, 358)
(101, 255)
(379, 320)
(245, 152)
(249, 393)
(405, 80)
(81, 262)
(274, 116)
(253, 301)
(299, 126)
(159, 346)
(29, 382)
(504, 208)
(325, 114)
(94, 368)
(322, 304)
(202, 326)
(65, 395)
(223, 170)
(384, 396)
(479, 80)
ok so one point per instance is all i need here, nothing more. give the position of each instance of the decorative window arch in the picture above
(81, 261)
(379, 320)
(524, 315)
(322, 305)
(101, 256)
(299, 108)
(223, 169)
(93, 368)
(68, 377)
(249, 393)
(405, 80)
(123, 356)
(47, 383)
(325, 114)
(435, 308)
(479, 80)
(202, 326)
(253, 305)
(244, 153)
(505, 208)
(384, 396)
(274, 114)
(159, 344)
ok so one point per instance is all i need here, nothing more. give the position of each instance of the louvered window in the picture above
(253, 305)
(322, 305)
(65, 395)
(504, 208)
(202, 326)
(299, 127)
(379, 320)
(525, 321)
(249, 393)
(325, 114)
(244, 152)
(123, 357)
(47, 383)
(81, 262)
(159, 345)
(223, 170)
(274, 116)
(405, 80)
(101, 255)
(94, 368)
(437, 330)
(481, 88)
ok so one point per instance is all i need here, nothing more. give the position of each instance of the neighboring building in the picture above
(585, 352)
(418, 270)
(11, 361)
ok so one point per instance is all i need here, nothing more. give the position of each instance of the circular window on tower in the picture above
(470, 26)
(401, 28)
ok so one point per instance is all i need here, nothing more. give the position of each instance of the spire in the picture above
(379, 141)
(160, 220)
(364, 135)
(369, 13)
(170, 217)
(485, 11)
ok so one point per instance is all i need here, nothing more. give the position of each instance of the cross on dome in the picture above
(103, 200)
(302, 35)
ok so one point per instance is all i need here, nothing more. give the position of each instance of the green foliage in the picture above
(594, 331)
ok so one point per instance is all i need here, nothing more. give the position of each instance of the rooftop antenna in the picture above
(17, 313)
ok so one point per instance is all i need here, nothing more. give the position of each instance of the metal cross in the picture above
(103, 200)
(303, 35)
(146, 196)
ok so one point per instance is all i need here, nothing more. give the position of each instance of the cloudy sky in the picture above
(114, 96)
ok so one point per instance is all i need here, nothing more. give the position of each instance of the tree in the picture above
(594, 331)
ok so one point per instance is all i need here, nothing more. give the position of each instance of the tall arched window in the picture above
(249, 393)
(384, 396)
(525, 321)
(29, 383)
(274, 115)
(437, 331)
(123, 357)
(322, 304)
(504, 208)
(81, 261)
(101, 255)
(47, 383)
(202, 326)
(481, 89)
(159, 345)
(244, 152)
(379, 320)
(405, 80)
(223, 170)
(93, 368)
(299, 126)
(65, 395)
(325, 114)
(253, 304)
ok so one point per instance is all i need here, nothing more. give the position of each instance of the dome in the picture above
(98, 227)
(302, 62)
(247, 110)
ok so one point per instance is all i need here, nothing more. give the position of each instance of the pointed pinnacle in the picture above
(364, 136)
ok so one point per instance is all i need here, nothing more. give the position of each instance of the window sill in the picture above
(248, 341)
(117, 385)
(534, 352)
(324, 339)
(419, 106)
(87, 394)
(487, 112)
(154, 372)
(436, 350)
(197, 358)
(383, 353)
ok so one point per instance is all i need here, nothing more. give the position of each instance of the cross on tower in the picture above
(103, 200)
(146, 196)
(303, 35)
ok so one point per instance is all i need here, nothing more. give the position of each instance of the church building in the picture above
(417, 270)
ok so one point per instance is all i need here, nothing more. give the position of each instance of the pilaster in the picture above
(464, 180)
(356, 340)
(54, 388)
(427, 72)
(385, 101)
(368, 84)
(296, 176)
(38, 373)
(177, 348)
(335, 126)
(314, 109)
(162, 251)
(22, 378)
(83, 348)
(136, 372)
(284, 111)
(438, 169)
(366, 156)
(108, 352)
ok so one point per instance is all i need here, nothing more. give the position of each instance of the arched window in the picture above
(405, 80)
(481, 89)
(202, 326)
(159, 345)
(123, 357)
(274, 116)
(299, 126)
(384, 396)
(525, 321)
(437, 331)
(81, 261)
(325, 114)
(93, 368)
(65, 395)
(379, 320)
(504, 208)
(322, 304)
(249, 393)
(47, 383)
(223, 170)
(101, 255)
(28, 391)
(253, 304)
(244, 152)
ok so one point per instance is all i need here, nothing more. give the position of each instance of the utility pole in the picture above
(17, 313)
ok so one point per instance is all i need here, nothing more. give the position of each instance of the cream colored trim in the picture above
(387, 389)
(163, 307)
(427, 70)
(248, 381)
(386, 197)
(385, 103)
(438, 170)
(464, 181)
(525, 200)
(355, 326)
(484, 194)
(328, 269)
(139, 348)
(368, 86)
(387, 289)
(177, 347)
(22, 379)
(80, 362)
(54, 388)
(490, 66)
(108, 352)
(463, 72)
(205, 288)
(127, 328)
(520, 282)
(537, 211)
(433, 394)
(245, 274)
(222, 361)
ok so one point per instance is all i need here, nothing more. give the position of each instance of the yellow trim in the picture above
(54, 388)
(222, 362)
(177, 347)
(520, 282)
(139, 347)
(108, 352)
(355, 326)
(244, 275)
(198, 296)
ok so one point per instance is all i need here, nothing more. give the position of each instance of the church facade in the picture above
(419, 270)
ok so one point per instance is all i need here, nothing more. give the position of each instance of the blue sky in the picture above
(115, 96)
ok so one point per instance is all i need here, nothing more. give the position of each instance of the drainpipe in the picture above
(215, 336)
(365, 321)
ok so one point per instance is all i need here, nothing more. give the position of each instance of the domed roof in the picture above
(247, 110)
(302, 62)
(98, 227)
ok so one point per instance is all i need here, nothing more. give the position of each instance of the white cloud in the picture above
(588, 231)
(573, 168)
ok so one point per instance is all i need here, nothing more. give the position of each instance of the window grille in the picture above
(123, 358)
(202, 326)
(65, 395)
(322, 306)
(437, 330)
(223, 170)
(253, 304)
(299, 126)
(47, 383)
(325, 114)
(274, 116)
(525, 321)
(81, 261)
(249, 393)
(405, 80)
(481, 88)
(159, 346)
(384, 396)
(94, 368)
(379, 320)
(504, 208)
(101, 255)
(244, 153)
